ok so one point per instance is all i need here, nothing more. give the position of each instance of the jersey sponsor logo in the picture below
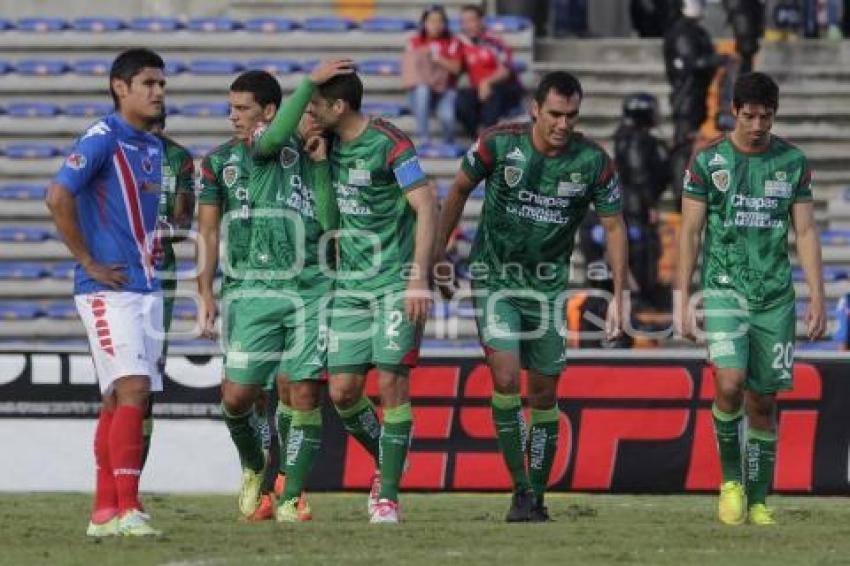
(720, 349)
(516, 155)
(777, 189)
(754, 203)
(360, 177)
(720, 178)
(512, 175)
(128, 146)
(229, 175)
(234, 158)
(288, 157)
(99, 129)
(76, 161)
(571, 189)
(409, 172)
(717, 160)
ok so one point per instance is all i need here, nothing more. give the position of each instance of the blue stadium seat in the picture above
(831, 274)
(19, 311)
(519, 67)
(41, 25)
(205, 109)
(214, 67)
(32, 109)
(328, 24)
(22, 192)
(440, 150)
(61, 310)
(387, 24)
(382, 67)
(388, 109)
(308, 65)
(88, 109)
(94, 67)
(31, 150)
(6, 67)
(506, 24)
(41, 67)
(185, 311)
(271, 25)
(98, 25)
(24, 234)
(835, 237)
(21, 270)
(155, 24)
(846, 194)
(174, 68)
(274, 66)
(462, 310)
(6, 24)
(219, 24)
(199, 150)
(62, 270)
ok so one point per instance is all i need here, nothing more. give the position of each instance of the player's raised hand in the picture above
(113, 276)
(614, 319)
(417, 300)
(815, 319)
(207, 313)
(327, 70)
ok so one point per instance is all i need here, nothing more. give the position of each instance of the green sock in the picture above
(542, 444)
(246, 436)
(511, 432)
(395, 440)
(305, 437)
(284, 420)
(727, 429)
(147, 432)
(361, 421)
(761, 457)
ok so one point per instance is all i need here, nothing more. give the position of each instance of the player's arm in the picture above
(423, 200)
(209, 222)
(616, 251)
(285, 123)
(693, 221)
(809, 254)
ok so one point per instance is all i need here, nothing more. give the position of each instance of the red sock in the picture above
(105, 496)
(125, 450)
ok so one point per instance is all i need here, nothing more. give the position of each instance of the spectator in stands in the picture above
(747, 20)
(430, 67)
(643, 163)
(651, 18)
(494, 89)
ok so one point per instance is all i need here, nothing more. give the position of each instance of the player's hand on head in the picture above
(417, 301)
(113, 276)
(331, 68)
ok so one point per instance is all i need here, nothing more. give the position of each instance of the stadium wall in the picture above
(630, 422)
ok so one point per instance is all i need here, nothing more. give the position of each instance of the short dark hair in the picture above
(472, 8)
(130, 63)
(261, 84)
(348, 88)
(755, 88)
(561, 82)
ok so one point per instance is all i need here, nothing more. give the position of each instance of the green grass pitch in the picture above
(438, 529)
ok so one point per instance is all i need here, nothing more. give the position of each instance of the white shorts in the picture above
(125, 335)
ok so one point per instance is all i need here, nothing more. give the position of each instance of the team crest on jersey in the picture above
(720, 179)
(76, 161)
(288, 156)
(147, 166)
(717, 160)
(512, 175)
(229, 175)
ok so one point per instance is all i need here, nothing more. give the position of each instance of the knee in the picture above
(132, 390)
(236, 400)
(304, 396)
(343, 394)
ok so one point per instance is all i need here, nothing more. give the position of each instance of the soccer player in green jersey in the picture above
(540, 179)
(745, 190)
(387, 219)
(245, 182)
(176, 208)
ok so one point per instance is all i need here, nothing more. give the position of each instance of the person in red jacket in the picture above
(494, 89)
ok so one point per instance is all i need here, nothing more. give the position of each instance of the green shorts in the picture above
(273, 332)
(759, 341)
(370, 330)
(532, 327)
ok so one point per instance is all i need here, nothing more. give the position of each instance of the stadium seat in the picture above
(61, 310)
(205, 109)
(274, 66)
(31, 150)
(207, 25)
(94, 67)
(214, 67)
(387, 24)
(831, 274)
(41, 25)
(270, 25)
(199, 150)
(519, 67)
(462, 310)
(155, 24)
(382, 67)
(174, 68)
(835, 237)
(6, 67)
(388, 109)
(22, 192)
(440, 150)
(21, 270)
(98, 25)
(87, 109)
(6, 24)
(32, 109)
(506, 24)
(24, 234)
(185, 311)
(41, 67)
(328, 24)
(62, 270)
(19, 311)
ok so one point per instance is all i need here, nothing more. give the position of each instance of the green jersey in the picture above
(749, 199)
(371, 176)
(533, 206)
(178, 171)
